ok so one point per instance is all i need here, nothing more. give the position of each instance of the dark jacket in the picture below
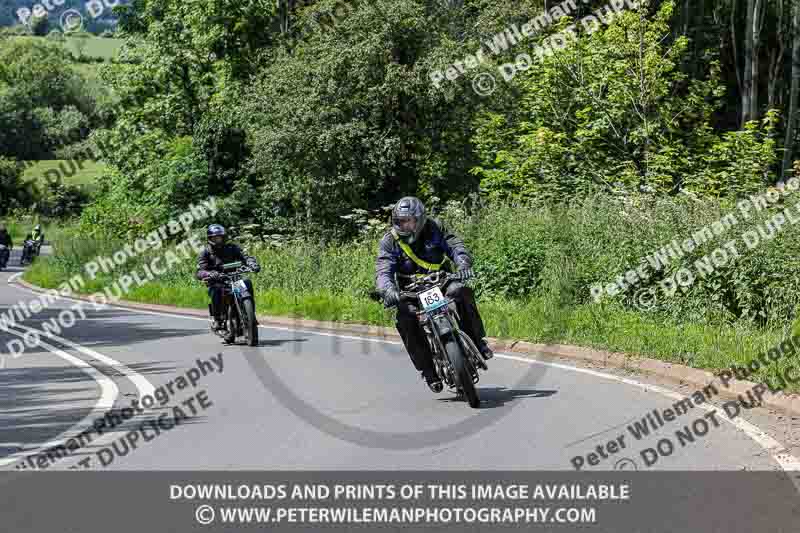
(434, 244)
(5, 238)
(211, 261)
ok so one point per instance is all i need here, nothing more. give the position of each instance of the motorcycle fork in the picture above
(237, 304)
(436, 342)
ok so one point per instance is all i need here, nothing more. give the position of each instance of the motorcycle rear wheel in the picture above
(463, 376)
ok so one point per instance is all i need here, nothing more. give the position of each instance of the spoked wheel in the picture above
(249, 322)
(463, 376)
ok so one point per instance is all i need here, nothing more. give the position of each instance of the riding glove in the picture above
(391, 297)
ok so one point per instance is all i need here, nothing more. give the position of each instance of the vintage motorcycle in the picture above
(455, 357)
(30, 249)
(238, 305)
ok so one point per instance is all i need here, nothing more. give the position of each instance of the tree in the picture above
(37, 84)
(613, 111)
(348, 118)
(753, 27)
(794, 92)
(10, 184)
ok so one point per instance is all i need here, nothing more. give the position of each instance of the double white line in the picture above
(109, 390)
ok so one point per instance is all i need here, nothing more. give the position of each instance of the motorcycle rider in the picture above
(5, 239)
(28, 248)
(38, 237)
(209, 269)
(419, 245)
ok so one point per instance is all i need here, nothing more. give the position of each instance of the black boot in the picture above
(486, 352)
(433, 381)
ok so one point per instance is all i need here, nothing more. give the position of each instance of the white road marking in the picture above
(139, 381)
(108, 396)
(776, 450)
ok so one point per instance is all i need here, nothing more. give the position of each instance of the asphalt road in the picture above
(309, 400)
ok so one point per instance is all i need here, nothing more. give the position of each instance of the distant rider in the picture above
(417, 244)
(209, 269)
(5, 239)
(38, 237)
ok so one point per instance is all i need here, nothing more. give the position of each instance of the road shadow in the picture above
(271, 343)
(96, 332)
(493, 397)
(39, 403)
(12, 267)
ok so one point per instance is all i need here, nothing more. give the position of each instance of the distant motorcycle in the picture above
(238, 305)
(455, 357)
(30, 249)
(5, 253)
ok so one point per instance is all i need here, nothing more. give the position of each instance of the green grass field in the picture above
(85, 177)
(90, 46)
(93, 46)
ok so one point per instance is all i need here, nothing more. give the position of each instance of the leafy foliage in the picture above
(613, 109)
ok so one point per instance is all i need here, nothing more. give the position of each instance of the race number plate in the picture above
(239, 287)
(432, 299)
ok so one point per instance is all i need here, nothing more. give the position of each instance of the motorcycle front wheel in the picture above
(463, 377)
(249, 322)
(233, 324)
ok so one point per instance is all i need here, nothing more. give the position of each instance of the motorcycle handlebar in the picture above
(227, 275)
(411, 295)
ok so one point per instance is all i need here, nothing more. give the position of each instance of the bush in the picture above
(12, 194)
(61, 200)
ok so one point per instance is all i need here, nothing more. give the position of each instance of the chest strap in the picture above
(411, 255)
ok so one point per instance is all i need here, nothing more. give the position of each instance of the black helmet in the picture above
(408, 218)
(215, 230)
